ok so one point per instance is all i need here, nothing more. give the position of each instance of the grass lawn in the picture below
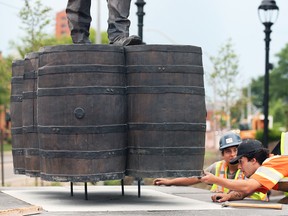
(7, 147)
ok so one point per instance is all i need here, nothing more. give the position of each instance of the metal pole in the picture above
(140, 13)
(267, 40)
(98, 29)
(2, 156)
(122, 186)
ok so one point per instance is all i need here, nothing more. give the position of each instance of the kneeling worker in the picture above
(264, 172)
(222, 169)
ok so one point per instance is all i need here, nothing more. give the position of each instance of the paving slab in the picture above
(108, 200)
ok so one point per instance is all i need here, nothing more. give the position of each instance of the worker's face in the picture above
(229, 153)
(248, 167)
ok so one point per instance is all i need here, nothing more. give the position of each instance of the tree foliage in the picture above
(278, 90)
(34, 18)
(5, 74)
(224, 76)
(279, 77)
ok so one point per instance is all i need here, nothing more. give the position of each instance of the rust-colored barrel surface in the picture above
(18, 148)
(29, 115)
(82, 112)
(166, 111)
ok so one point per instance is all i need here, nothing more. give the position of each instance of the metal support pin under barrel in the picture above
(86, 190)
(139, 187)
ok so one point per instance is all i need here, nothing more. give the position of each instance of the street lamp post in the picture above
(140, 13)
(268, 13)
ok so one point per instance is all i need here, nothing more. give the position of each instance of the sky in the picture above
(204, 23)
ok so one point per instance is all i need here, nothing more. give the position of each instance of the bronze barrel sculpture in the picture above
(18, 148)
(166, 111)
(29, 115)
(82, 113)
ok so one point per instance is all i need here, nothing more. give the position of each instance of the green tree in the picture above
(257, 89)
(5, 74)
(223, 77)
(278, 90)
(34, 18)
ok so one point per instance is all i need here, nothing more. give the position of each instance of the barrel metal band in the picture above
(18, 152)
(32, 151)
(29, 95)
(83, 130)
(76, 48)
(82, 91)
(168, 126)
(16, 98)
(162, 173)
(190, 69)
(166, 89)
(164, 49)
(18, 130)
(18, 63)
(30, 75)
(83, 178)
(64, 69)
(17, 80)
(167, 151)
(87, 155)
(30, 129)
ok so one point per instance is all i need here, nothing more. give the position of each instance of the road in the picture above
(8, 178)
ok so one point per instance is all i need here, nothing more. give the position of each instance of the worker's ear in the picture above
(253, 160)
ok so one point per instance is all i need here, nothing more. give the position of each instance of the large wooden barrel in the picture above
(18, 148)
(82, 113)
(166, 111)
(29, 115)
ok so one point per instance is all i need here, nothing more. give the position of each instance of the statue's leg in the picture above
(79, 19)
(118, 23)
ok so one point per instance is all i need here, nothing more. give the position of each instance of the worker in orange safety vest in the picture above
(263, 171)
(228, 146)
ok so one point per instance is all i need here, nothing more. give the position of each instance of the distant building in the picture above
(5, 125)
(62, 28)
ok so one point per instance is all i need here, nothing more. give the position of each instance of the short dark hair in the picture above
(260, 155)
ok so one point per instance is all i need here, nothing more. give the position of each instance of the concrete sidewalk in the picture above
(108, 200)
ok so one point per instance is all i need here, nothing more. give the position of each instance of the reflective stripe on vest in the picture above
(284, 143)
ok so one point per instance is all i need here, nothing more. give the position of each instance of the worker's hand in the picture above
(208, 178)
(162, 181)
(220, 197)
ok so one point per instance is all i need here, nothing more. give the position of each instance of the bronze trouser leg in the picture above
(118, 22)
(79, 19)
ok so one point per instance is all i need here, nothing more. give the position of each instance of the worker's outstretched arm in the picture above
(246, 186)
(176, 181)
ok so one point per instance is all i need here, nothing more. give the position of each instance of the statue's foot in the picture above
(127, 41)
(79, 37)
(85, 41)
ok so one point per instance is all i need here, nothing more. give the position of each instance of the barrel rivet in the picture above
(79, 113)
